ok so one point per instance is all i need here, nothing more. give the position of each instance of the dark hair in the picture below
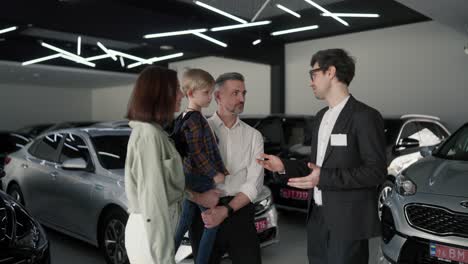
(344, 64)
(228, 76)
(154, 96)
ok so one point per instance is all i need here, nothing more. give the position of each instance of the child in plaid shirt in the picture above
(197, 144)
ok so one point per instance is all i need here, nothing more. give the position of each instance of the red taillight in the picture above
(7, 160)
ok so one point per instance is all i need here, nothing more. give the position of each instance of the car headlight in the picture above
(263, 205)
(405, 186)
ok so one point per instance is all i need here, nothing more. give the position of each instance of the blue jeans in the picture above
(208, 237)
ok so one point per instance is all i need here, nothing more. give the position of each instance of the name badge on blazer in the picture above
(338, 140)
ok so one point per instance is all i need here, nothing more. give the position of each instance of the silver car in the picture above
(72, 181)
(425, 219)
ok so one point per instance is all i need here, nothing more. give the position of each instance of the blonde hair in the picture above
(196, 79)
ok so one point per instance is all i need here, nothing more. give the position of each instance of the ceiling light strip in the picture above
(71, 55)
(254, 24)
(215, 41)
(100, 45)
(256, 42)
(156, 59)
(327, 12)
(293, 30)
(352, 15)
(175, 33)
(128, 56)
(5, 30)
(41, 59)
(288, 10)
(98, 57)
(78, 46)
(221, 12)
(90, 64)
(260, 10)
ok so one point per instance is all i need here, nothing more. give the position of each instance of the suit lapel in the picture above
(340, 124)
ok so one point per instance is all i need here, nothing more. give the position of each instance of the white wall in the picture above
(417, 68)
(257, 80)
(22, 105)
(110, 103)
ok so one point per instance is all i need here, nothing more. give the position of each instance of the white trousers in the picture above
(136, 241)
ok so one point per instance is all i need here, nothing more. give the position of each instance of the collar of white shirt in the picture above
(218, 122)
(339, 106)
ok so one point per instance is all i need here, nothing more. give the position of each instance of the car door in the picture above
(73, 196)
(37, 171)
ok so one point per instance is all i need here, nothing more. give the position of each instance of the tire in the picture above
(384, 191)
(15, 191)
(111, 237)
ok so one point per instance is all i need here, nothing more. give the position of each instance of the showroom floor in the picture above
(292, 247)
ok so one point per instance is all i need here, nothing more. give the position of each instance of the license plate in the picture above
(294, 194)
(448, 253)
(261, 225)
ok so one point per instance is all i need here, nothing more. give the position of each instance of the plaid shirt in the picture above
(202, 160)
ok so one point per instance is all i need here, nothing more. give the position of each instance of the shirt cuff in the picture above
(250, 191)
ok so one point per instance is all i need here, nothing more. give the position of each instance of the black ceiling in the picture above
(121, 24)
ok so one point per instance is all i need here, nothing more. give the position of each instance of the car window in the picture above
(410, 130)
(111, 150)
(74, 147)
(431, 134)
(47, 147)
(456, 147)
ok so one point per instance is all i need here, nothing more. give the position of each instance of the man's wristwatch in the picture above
(229, 208)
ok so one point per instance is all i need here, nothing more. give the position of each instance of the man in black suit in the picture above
(347, 164)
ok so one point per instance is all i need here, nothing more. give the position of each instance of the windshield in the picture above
(456, 147)
(111, 150)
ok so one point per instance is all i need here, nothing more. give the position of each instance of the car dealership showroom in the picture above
(233, 131)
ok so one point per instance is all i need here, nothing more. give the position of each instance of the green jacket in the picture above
(154, 184)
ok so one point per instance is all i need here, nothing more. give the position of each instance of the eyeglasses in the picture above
(311, 72)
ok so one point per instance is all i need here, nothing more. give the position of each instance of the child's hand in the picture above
(219, 178)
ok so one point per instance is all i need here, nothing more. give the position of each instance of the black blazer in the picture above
(349, 174)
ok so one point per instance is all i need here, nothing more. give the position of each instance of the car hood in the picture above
(439, 176)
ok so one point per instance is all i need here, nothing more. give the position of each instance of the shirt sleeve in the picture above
(153, 200)
(254, 183)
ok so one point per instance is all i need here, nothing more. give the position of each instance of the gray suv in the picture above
(425, 219)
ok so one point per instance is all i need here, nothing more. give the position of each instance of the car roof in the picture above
(96, 131)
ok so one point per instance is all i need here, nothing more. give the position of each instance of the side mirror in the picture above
(75, 164)
(405, 143)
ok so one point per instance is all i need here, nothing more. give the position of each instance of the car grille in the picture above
(437, 220)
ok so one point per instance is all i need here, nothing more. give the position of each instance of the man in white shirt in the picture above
(239, 145)
(346, 166)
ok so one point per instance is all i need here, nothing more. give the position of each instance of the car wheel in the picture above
(385, 191)
(112, 237)
(15, 192)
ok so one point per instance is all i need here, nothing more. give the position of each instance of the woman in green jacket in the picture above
(154, 177)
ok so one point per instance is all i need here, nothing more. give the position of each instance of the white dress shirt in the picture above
(239, 146)
(325, 130)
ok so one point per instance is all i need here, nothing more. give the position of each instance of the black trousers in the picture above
(326, 247)
(236, 236)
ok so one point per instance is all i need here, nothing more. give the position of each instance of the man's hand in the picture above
(270, 162)
(208, 199)
(219, 178)
(214, 217)
(309, 181)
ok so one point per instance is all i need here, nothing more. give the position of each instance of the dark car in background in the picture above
(405, 137)
(22, 239)
(284, 135)
(9, 143)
